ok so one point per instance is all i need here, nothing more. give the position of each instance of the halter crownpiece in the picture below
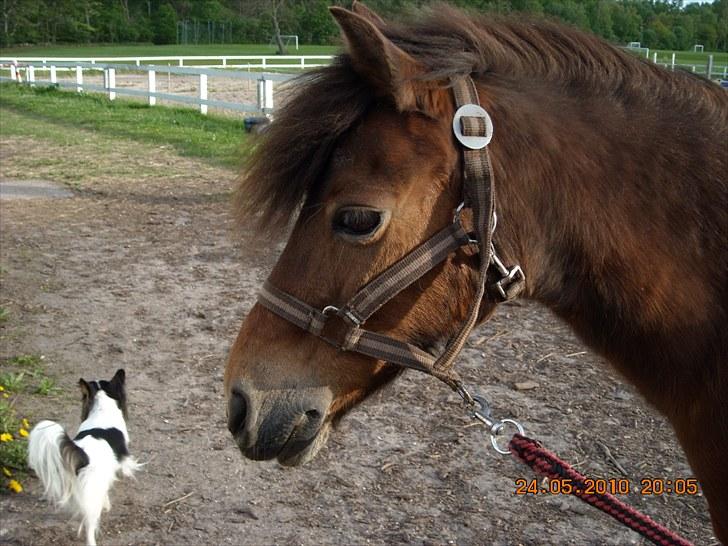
(340, 326)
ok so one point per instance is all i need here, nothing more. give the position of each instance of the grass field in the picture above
(686, 57)
(128, 50)
(214, 138)
(150, 50)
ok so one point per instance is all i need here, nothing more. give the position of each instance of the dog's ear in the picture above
(119, 377)
(85, 388)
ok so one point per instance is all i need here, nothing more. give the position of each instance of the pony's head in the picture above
(115, 390)
(366, 148)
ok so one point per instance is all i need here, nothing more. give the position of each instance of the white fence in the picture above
(28, 71)
(710, 70)
(249, 62)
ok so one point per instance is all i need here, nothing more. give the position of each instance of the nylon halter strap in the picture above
(341, 326)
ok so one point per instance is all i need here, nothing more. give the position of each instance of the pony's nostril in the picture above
(313, 415)
(237, 412)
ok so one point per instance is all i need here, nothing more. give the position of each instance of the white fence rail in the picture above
(709, 69)
(250, 62)
(27, 72)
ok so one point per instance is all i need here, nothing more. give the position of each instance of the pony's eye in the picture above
(357, 221)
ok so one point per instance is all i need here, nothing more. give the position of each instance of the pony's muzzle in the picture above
(279, 424)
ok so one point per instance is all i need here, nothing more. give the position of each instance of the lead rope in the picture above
(548, 464)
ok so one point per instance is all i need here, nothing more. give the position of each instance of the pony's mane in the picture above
(289, 161)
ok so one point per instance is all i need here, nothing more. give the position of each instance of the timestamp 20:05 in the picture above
(611, 486)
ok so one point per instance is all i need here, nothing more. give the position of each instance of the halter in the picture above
(341, 326)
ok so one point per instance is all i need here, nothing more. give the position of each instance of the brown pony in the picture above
(610, 177)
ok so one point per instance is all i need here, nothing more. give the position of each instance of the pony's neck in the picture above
(609, 227)
(105, 413)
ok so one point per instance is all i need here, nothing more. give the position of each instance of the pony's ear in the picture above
(389, 70)
(369, 15)
(119, 377)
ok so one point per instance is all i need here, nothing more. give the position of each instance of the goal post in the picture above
(637, 48)
(288, 39)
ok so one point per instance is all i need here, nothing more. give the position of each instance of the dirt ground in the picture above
(222, 89)
(145, 272)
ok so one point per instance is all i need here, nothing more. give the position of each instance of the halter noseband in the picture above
(473, 129)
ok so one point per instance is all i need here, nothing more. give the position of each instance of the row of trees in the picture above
(662, 24)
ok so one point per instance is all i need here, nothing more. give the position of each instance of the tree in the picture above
(276, 7)
(164, 25)
(625, 23)
(600, 19)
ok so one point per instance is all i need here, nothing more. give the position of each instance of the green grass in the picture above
(13, 382)
(46, 386)
(26, 361)
(214, 138)
(4, 314)
(151, 50)
(26, 374)
(21, 375)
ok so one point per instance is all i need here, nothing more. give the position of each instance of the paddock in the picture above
(146, 272)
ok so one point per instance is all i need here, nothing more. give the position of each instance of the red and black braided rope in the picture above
(548, 464)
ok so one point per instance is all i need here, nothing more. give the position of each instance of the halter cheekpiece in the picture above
(341, 326)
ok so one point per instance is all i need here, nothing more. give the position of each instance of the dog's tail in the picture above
(56, 459)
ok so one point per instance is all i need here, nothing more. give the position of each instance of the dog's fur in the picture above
(78, 473)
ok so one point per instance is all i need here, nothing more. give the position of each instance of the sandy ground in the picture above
(218, 88)
(145, 272)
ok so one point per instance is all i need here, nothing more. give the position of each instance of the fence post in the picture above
(112, 83)
(203, 93)
(13, 73)
(224, 61)
(152, 78)
(673, 61)
(138, 62)
(303, 63)
(265, 95)
(54, 76)
(79, 79)
(181, 62)
(654, 57)
(31, 75)
(709, 68)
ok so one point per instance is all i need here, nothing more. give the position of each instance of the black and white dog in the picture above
(78, 474)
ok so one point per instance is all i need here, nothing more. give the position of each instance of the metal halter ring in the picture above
(497, 429)
(483, 414)
(472, 111)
